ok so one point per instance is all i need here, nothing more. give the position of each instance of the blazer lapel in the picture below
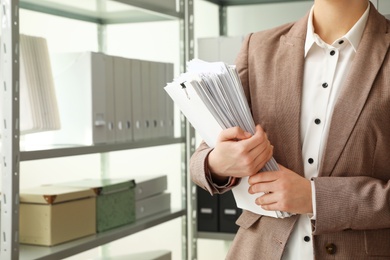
(373, 47)
(288, 86)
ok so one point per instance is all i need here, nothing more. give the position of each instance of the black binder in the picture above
(207, 210)
(228, 213)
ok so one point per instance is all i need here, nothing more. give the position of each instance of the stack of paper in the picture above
(211, 97)
(38, 102)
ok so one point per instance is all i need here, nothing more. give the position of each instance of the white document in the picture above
(211, 97)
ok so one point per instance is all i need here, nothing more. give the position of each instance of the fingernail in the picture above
(247, 134)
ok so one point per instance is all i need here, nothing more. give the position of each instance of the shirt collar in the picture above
(354, 35)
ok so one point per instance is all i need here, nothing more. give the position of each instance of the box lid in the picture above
(52, 194)
(103, 186)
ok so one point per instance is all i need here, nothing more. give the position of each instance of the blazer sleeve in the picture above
(357, 203)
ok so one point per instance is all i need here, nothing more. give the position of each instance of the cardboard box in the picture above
(147, 186)
(50, 215)
(115, 204)
(152, 205)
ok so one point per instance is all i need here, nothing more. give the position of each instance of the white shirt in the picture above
(326, 68)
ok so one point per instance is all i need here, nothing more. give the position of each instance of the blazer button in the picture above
(331, 248)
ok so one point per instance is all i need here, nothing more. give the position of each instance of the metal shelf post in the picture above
(10, 129)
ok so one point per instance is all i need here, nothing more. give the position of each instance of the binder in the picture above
(146, 99)
(128, 120)
(153, 97)
(169, 103)
(207, 210)
(161, 99)
(228, 213)
(80, 81)
(110, 98)
(136, 97)
(120, 80)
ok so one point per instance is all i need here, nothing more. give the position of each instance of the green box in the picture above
(115, 201)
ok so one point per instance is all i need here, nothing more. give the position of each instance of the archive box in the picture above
(147, 186)
(50, 215)
(153, 205)
(114, 201)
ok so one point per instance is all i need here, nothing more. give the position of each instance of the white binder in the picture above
(80, 80)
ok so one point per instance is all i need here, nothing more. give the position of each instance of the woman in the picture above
(319, 89)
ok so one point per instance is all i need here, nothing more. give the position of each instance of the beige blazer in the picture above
(353, 186)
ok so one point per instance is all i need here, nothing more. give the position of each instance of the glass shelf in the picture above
(106, 11)
(28, 252)
(36, 153)
(216, 235)
(250, 2)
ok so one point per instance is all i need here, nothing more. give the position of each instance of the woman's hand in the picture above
(285, 191)
(238, 153)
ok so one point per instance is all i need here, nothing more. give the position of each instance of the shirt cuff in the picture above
(229, 183)
(313, 199)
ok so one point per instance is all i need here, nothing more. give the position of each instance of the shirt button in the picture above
(341, 42)
(331, 248)
(317, 121)
(306, 238)
(325, 85)
(332, 53)
(310, 160)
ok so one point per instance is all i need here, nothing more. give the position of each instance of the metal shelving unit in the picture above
(94, 11)
(77, 246)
